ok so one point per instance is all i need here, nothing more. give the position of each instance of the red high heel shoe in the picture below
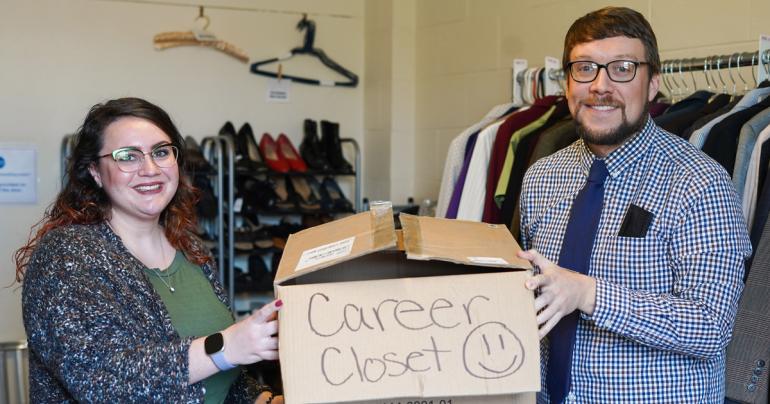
(272, 156)
(289, 153)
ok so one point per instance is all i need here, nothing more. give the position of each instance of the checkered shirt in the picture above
(665, 302)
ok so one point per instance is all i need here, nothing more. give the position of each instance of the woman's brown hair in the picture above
(82, 201)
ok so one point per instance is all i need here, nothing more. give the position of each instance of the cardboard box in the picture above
(445, 318)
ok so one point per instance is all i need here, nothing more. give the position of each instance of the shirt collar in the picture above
(622, 157)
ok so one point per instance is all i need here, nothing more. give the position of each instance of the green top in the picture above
(195, 312)
(505, 175)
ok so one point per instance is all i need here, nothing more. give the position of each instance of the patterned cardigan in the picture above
(98, 331)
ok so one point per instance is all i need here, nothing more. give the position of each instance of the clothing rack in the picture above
(707, 63)
(215, 6)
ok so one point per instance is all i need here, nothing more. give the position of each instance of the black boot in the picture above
(330, 139)
(310, 150)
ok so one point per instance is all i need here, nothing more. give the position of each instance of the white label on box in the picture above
(325, 253)
(488, 260)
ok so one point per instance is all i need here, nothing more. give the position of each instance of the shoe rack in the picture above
(219, 151)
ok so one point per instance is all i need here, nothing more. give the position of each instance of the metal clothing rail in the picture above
(707, 63)
(215, 6)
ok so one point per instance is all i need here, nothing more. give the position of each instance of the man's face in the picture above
(607, 113)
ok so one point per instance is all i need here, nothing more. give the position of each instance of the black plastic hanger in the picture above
(308, 49)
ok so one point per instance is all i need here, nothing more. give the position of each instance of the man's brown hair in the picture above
(610, 22)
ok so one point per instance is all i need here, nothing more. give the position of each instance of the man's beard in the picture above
(617, 135)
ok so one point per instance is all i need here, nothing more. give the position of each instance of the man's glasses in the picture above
(619, 71)
(130, 159)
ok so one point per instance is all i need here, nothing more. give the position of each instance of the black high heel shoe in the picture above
(193, 158)
(327, 205)
(287, 198)
(247, 148)
(340, 203)
(241, 166)
(306, 198)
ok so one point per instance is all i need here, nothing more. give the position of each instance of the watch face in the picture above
(213, 343)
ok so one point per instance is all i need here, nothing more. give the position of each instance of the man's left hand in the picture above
(562, 291)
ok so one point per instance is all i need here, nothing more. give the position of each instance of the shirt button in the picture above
(751, 387)
(754, 378)
(570, 398)
(204, 390)
(758, 371)
(760, 363)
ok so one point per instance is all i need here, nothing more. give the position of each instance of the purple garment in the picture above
(454, 202)
(658, 108)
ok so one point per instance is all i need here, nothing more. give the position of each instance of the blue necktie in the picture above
(575, 255)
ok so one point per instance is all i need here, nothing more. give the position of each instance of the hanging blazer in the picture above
(748, 355)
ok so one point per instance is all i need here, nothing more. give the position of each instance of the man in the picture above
(638, 236)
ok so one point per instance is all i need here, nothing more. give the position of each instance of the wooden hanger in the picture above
(198, 37)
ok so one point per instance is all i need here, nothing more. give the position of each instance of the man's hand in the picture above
(561, 291)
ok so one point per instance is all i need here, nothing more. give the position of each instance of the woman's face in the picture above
(143, 194)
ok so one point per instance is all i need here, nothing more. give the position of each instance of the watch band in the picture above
(214, 346)
(220, 361)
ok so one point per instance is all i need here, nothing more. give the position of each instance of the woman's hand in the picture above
(255, 337)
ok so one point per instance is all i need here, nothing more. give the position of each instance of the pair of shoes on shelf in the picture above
(256, 196)
(324, 154)
(280, 155)
(248, 239)
(295, 194)
(247, 156)
(194, 161)
(306, 194)
(331, 197)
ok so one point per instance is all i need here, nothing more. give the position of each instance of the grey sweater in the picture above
(98, 331)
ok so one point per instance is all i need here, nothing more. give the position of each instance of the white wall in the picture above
(389, 113)
(436, 66)
(59, 57)
(465, 49)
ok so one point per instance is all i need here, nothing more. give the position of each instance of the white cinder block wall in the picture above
(428, 69)
(465, 49)
(59, 57)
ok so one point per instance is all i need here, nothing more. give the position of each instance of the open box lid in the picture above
(460, 242)
(424, 238)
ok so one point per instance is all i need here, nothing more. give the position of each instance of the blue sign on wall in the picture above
(2, 162)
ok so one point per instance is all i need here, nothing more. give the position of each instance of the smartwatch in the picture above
(214, 345)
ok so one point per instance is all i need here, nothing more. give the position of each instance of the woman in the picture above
(120, 300)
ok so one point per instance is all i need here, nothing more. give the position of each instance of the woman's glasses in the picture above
(130, 159)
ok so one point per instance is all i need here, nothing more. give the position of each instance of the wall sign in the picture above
(278, 91)
(18, 175)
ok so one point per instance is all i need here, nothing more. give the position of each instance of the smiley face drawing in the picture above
(492, 351)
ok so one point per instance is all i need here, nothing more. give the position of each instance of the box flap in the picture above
(460, 242)
(334, 242)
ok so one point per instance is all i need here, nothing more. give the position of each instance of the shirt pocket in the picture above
(639, 263)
